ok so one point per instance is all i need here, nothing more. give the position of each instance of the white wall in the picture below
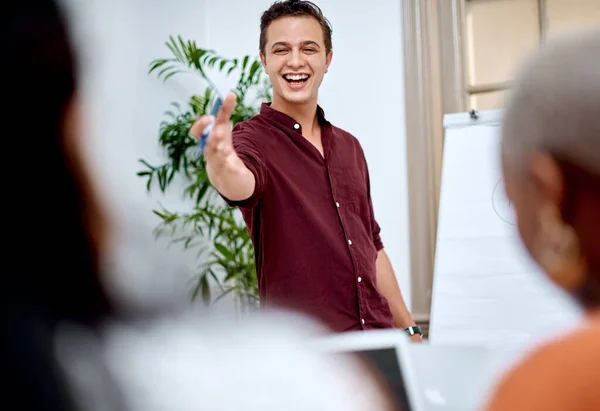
(123, 109)
(363, 94)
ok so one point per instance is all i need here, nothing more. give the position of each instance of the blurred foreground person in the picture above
(551, 162)
(62, 346)
(49, 271)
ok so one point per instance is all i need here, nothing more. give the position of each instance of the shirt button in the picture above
(363, 321)
(349, 242)
(359, 279)
(337, 204)
(296, 126)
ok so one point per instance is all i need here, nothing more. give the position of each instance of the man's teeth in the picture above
(299, 77)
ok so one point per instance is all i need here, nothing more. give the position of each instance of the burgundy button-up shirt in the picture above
(311, 221)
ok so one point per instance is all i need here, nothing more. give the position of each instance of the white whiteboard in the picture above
(486, 289)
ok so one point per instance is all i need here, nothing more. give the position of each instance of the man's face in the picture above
(295, 59)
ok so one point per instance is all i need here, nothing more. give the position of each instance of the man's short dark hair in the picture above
(294, 8)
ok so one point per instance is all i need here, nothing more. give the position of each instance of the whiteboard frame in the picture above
(459, 120)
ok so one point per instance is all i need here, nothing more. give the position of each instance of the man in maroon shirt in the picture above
(302, 185)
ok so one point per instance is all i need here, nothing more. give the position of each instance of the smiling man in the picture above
(302, 185)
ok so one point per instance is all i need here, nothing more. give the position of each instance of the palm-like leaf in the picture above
(229, 261)
(187, 56)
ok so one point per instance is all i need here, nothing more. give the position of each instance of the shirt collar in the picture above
(286, 121)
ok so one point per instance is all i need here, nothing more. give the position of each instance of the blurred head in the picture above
(295, 49)
(551, 161)
(53, 232)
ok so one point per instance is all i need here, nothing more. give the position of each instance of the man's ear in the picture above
(328, 60)
(263, 60)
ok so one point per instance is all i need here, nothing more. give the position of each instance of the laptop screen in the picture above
(385, 361)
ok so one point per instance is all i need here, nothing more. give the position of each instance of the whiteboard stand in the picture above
(486, 289)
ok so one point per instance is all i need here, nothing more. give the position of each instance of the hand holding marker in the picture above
(206, 134)
(213, 132)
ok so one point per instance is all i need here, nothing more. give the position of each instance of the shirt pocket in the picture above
(357, 191)
(343, 188)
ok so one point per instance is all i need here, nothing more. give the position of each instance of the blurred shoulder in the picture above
(267, 360)
(561, 374)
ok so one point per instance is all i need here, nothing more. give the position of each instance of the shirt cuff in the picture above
(377, 242)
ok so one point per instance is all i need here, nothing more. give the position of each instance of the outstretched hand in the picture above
(219, 146)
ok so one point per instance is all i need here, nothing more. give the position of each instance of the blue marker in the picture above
(213, 114)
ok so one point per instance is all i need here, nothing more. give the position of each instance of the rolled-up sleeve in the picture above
(252, 156)
(375, 228)
(376, 237)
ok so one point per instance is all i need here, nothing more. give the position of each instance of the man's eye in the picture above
(279, 51)
(310, 50)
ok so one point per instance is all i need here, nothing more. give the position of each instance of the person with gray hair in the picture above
(551, 166)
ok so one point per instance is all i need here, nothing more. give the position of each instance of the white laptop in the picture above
(388, 352)
(457, 377)
(426, 377)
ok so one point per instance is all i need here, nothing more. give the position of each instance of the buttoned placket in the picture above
(339, 210)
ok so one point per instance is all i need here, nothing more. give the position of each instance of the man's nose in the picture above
(296, 59)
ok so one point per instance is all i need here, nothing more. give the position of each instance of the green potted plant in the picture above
(225, 254)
